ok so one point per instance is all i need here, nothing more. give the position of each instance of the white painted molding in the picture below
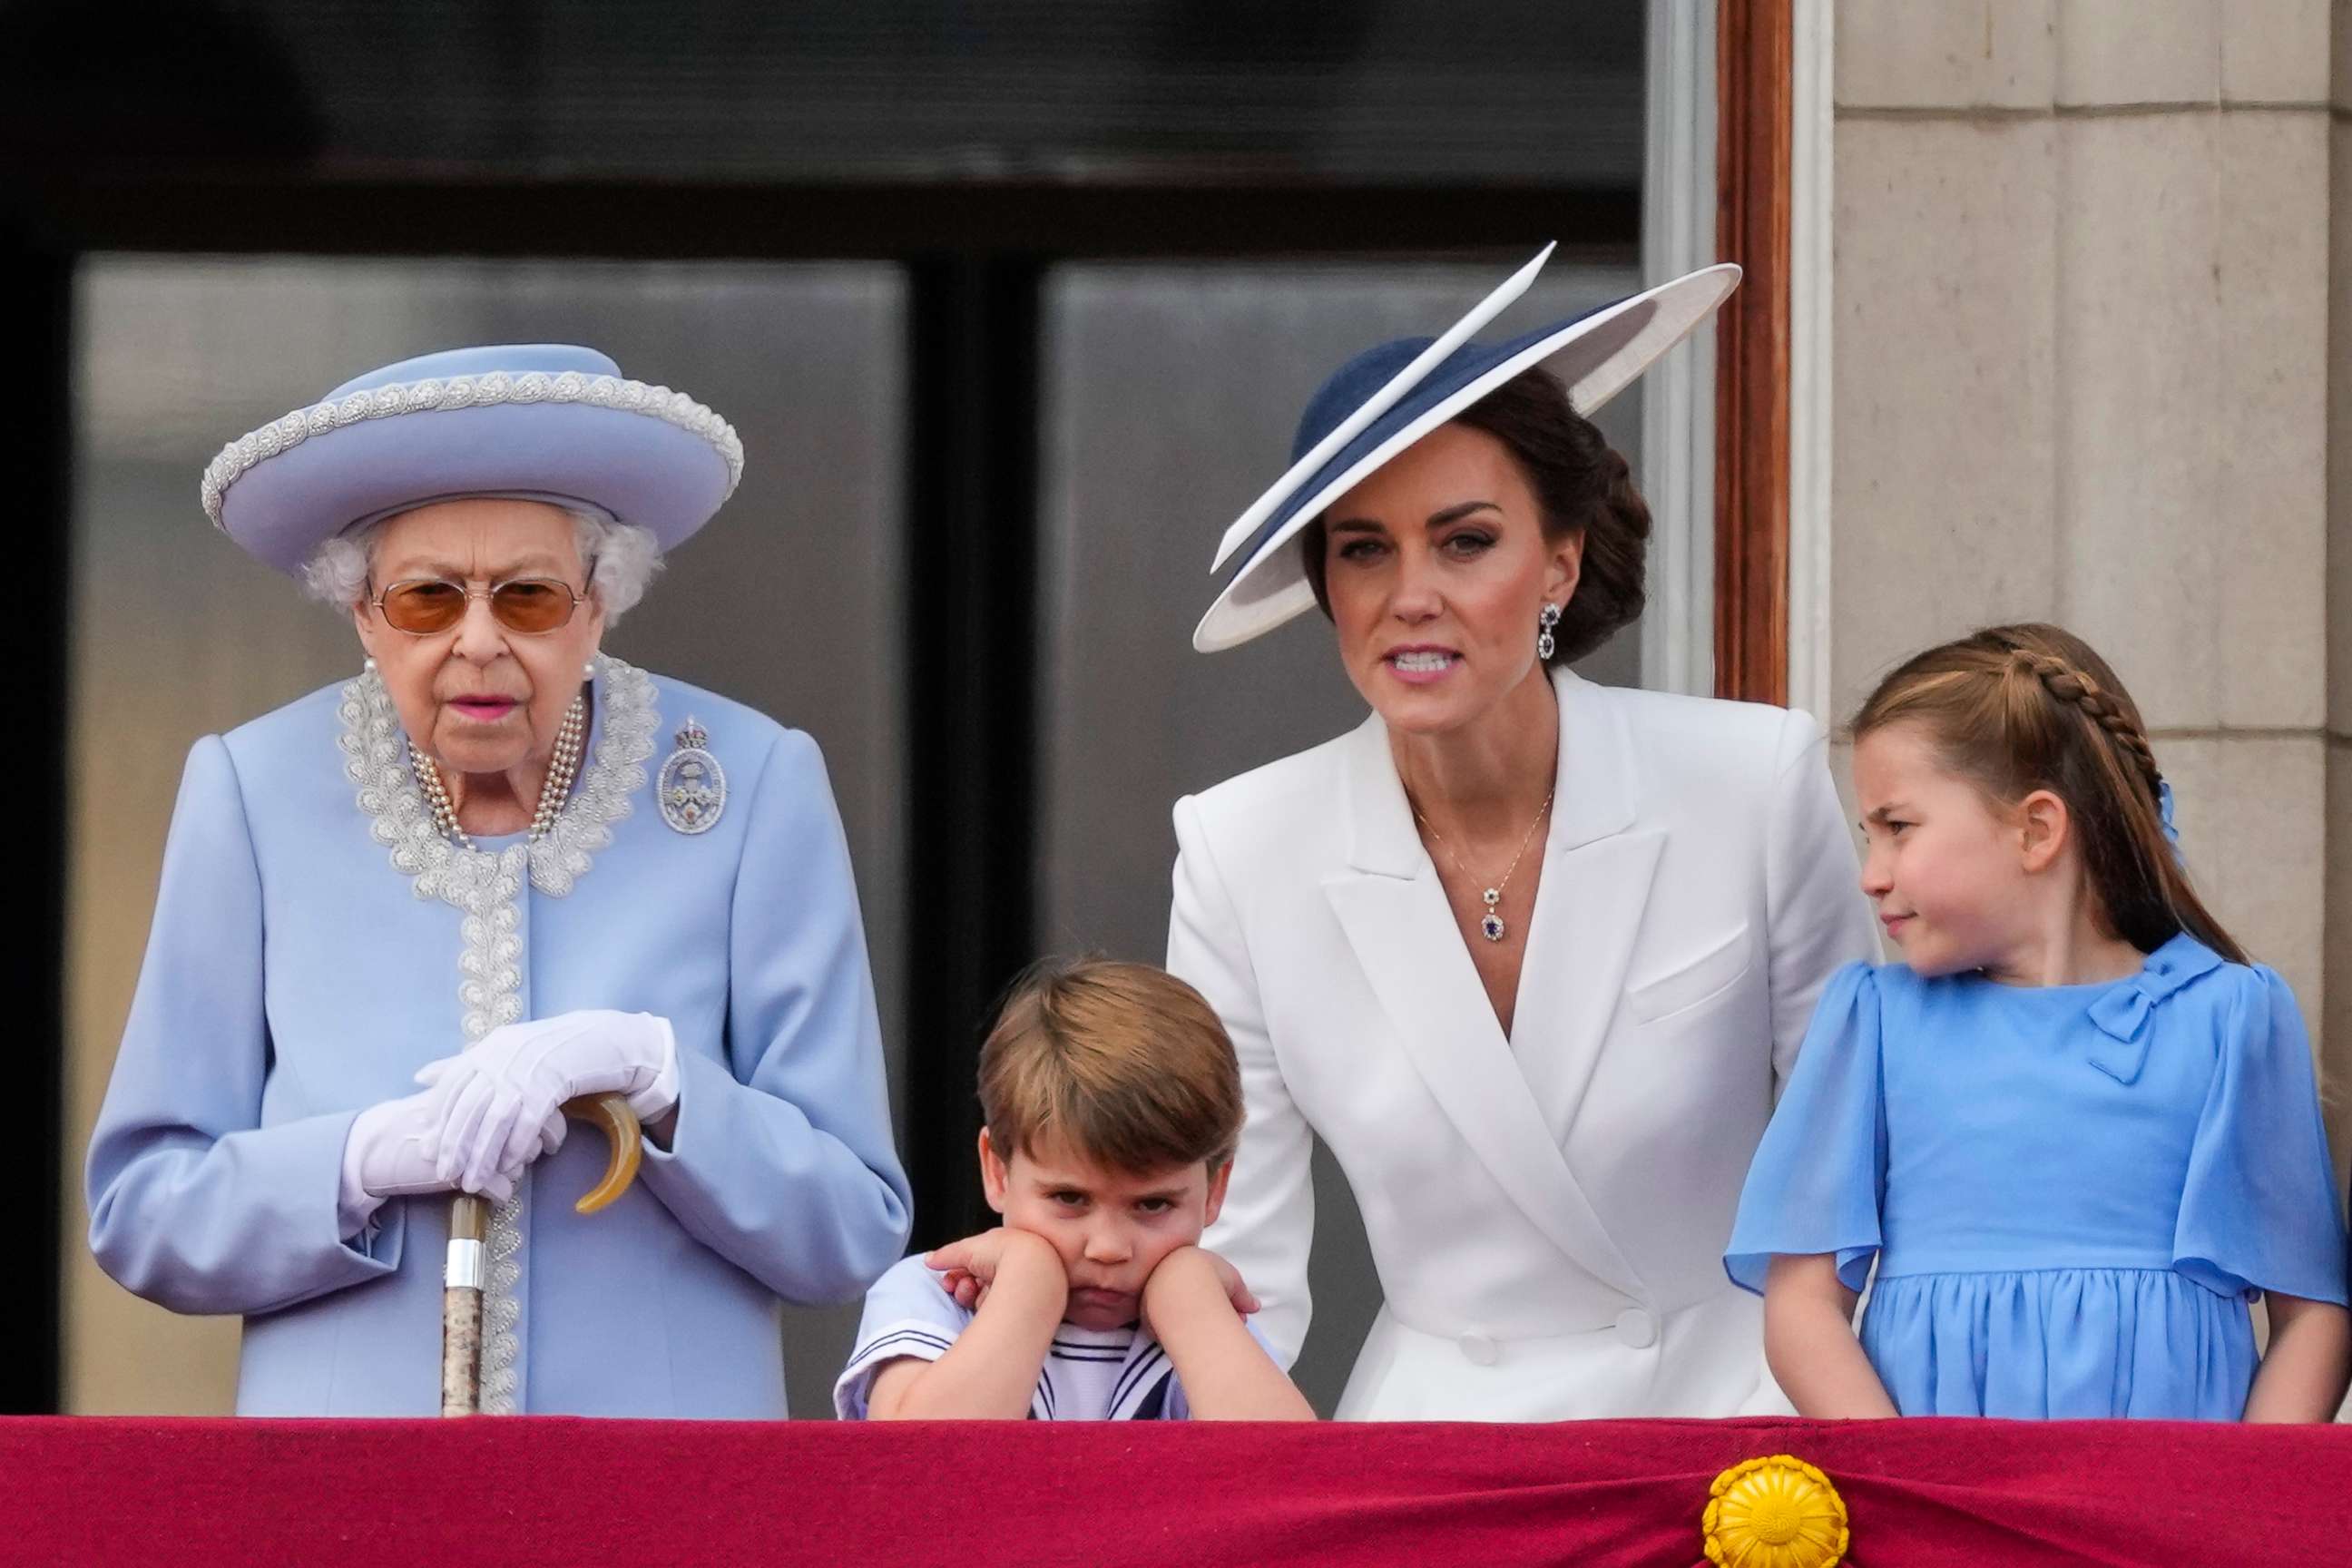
(1811, 211)
(1679, 203)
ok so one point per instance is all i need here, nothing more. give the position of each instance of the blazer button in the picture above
(1480, 1350)
(1637, 1328)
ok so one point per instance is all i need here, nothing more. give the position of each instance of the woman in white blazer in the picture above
(1528, 954)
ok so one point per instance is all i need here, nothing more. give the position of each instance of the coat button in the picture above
(1480, 1350)
(1637, 1328)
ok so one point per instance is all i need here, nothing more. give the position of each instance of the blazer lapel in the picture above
(1596, 883)
(1393, 910)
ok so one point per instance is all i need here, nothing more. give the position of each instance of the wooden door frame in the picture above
(1754, 129)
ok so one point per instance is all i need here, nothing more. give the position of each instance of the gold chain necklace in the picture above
(1491, 927)
(563, 765)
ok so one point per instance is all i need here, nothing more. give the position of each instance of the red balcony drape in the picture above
(519, 1492)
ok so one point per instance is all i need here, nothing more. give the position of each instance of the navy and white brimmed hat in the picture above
(532, 421)
(1386, 398)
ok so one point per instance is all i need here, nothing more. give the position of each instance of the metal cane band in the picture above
(466, 1267)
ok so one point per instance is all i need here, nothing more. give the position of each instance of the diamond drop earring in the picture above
(1546, 618)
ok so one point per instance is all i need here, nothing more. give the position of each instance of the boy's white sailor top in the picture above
(1089, 1375)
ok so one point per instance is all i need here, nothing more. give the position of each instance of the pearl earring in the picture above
(1546, 618)
(369, 665)
(588, 670)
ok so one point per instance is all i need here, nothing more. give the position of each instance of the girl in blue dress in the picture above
(2076, 1129)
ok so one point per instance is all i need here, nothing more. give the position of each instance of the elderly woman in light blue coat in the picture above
(402, 920)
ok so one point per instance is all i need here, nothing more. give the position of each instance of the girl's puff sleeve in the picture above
(1819, 1175)
(2258, 1208)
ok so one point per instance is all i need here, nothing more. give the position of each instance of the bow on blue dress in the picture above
(2122, 1012)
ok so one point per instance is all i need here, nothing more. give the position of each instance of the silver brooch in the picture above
(692, 788)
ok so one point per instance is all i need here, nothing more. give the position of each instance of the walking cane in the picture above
(469, 1220)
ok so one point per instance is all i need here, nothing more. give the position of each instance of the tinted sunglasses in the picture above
(424, 605)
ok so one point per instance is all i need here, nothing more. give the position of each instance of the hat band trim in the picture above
(453, 394)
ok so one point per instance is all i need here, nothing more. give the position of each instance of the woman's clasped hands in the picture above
(484, 1116)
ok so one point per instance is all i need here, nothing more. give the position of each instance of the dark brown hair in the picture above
(2024, 708)
(1581, 485)
(1123, 1062)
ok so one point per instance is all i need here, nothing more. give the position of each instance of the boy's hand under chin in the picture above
(970, 1267)
(1188, 1282)
(1194, 1303)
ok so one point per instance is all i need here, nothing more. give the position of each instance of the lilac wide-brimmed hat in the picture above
(1388, 397)
(536, 421)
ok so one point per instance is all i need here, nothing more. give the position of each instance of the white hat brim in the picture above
(1271, 588)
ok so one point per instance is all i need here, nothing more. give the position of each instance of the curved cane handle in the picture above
(626, 1142)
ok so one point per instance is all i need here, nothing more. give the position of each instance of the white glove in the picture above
(392, 1151)
(494, 1101)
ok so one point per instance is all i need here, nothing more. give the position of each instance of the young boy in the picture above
(1113, 1103)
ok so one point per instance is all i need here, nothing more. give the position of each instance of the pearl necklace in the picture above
(563, 765)
(1491, 927)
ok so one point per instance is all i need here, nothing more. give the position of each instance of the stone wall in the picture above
(2087, 369)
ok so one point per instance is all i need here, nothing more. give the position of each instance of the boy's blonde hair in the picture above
(1124, 1062)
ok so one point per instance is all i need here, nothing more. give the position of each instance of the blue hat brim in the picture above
(1603, 350)
(546, 421)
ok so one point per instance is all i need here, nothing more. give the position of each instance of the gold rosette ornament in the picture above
(1779, 1512)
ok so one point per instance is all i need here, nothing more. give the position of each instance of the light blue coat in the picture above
(296, 974)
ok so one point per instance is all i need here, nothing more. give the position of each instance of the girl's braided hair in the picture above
(2024, 708)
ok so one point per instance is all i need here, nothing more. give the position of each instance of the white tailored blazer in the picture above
(1546, 1212)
